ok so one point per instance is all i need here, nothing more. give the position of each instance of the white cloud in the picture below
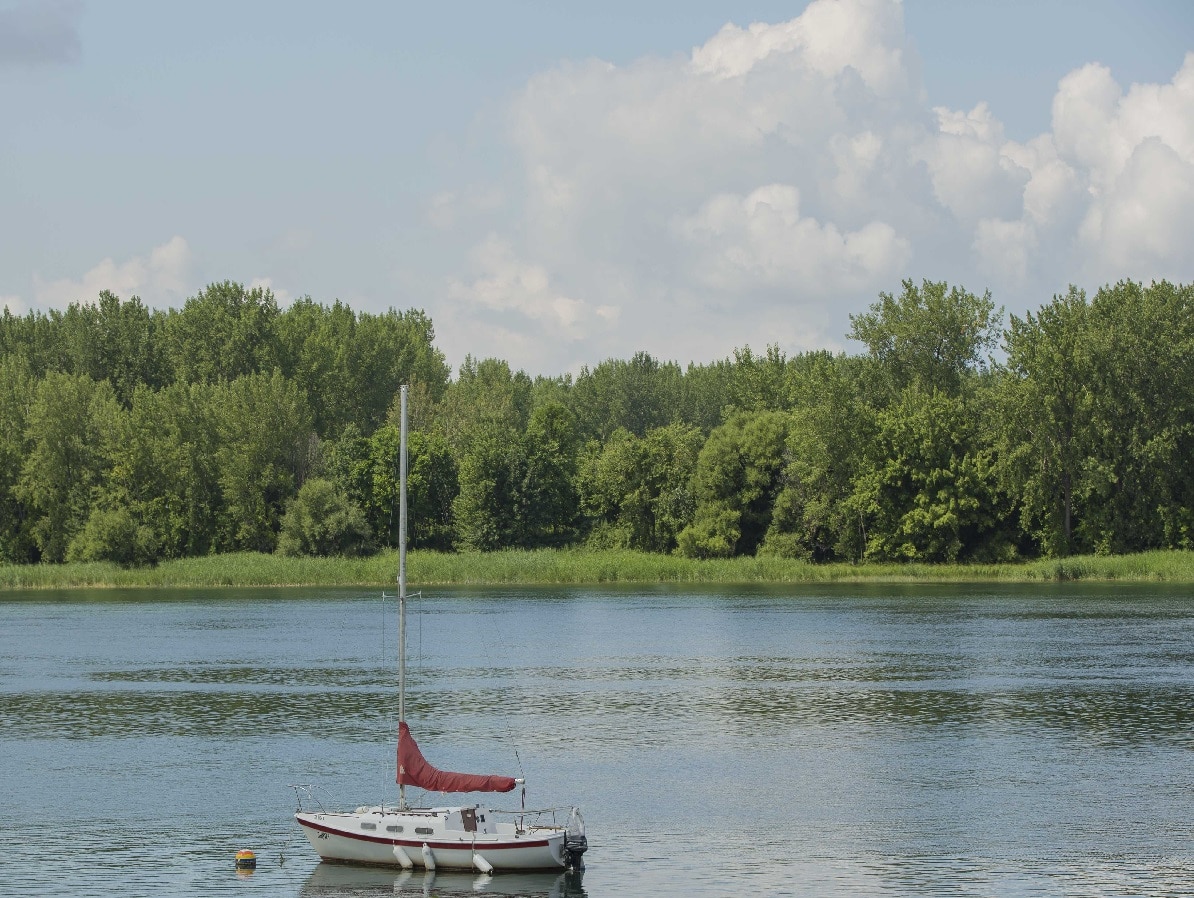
(773, 181)
(159, 278)
(972, 174)
(1134, 153)
(761, 240)
(828, 39)
(13, 304)
(522, 291)
(1004, 249)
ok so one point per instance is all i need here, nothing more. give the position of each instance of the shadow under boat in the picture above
(347, 881)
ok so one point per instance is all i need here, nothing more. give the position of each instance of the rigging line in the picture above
(504, 713)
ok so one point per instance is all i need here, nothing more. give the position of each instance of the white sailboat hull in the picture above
(370, 837)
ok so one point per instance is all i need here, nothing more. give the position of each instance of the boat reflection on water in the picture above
(346, 881)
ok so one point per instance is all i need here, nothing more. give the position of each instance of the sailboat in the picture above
(468, 837)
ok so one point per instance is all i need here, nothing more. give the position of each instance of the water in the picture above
(810, 741)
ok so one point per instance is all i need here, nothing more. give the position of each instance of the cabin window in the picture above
(393, 829)
(424, 830)
(368, 826)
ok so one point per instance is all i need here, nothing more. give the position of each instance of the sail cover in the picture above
(413, 770)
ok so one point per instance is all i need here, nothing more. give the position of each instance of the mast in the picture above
(402, 582)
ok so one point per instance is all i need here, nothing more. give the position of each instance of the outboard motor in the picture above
(575, 843)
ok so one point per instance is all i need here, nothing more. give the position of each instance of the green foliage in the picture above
(64, 463)
(758, 383)
(830, 429)
(736, 481)
(490, 471)
(322, 520)
(222, 333)
(17, 385)
(486, 396)
(264, 428)
(350, 366)
(1046, 403)
(432, 486)
(138, 436)
(635, 396)
(1099, 416)
(637, 490)
(931, 335)
(546, 498)
(927, 489)
(113, 535)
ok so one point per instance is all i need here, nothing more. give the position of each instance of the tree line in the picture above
(134, 435)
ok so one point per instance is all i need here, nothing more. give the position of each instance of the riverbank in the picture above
(545, 567)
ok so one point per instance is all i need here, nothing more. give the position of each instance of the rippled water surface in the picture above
(775, 741)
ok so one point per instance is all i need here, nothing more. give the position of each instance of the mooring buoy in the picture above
(246, 860)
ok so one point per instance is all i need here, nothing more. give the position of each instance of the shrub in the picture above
(322, 520)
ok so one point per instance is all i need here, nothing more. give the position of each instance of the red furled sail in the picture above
(413, 770)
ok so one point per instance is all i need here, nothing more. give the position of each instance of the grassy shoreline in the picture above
(578, 567)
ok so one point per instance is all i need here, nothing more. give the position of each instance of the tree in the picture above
(351, 366)
(736, 482)
(1047, 407)
(67, 421)
(932, 335)
(16, 390)
(637, 490)
(927, 490)
(547, 503)
(432, 486)
(757, 382)
(222, 333)
(264, 427)
(491, 469)
(1142, 484)
(322, 520)
(112, 535)
(124, 345)
(163, 470)
(485, 395)
(635, 395)
(830, 429)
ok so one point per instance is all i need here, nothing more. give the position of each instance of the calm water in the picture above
(853, 741)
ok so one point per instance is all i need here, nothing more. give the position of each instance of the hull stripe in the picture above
(418, 843)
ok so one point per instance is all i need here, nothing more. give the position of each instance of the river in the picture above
(811, 740)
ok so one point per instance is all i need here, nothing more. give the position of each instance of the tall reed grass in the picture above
(577, 566)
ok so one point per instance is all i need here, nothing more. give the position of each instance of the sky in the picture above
(556, 186)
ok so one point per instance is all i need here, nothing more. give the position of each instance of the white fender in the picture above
(403, 858)
(481, 864)
(428, 857)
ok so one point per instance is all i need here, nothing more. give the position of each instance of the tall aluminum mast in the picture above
(402, 582)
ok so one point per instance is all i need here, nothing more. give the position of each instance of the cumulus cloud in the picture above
(775, 179)
(1134, 153)
(40, 33)
(829, 38)
(158, 278)
(761, 240)
(522, 291)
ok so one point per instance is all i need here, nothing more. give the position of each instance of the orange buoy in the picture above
(246, 860)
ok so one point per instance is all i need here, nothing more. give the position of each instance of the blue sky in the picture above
(556, 186)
